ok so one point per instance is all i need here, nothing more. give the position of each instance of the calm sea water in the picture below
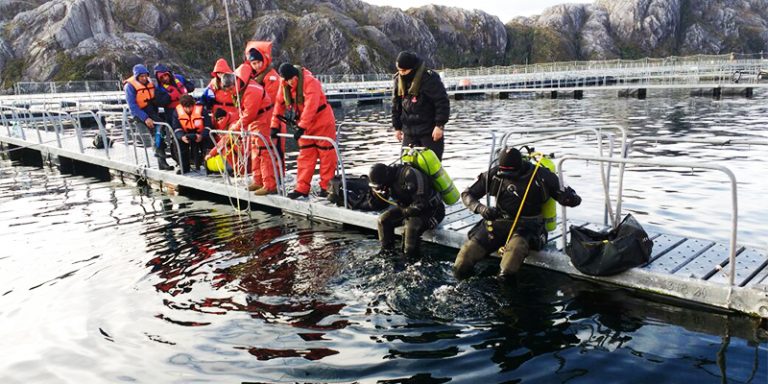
(105, 282)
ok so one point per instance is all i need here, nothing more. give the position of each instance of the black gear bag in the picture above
(359, 195)
(611, 252)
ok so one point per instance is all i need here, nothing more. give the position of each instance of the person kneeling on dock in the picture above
(417, 204)
(192, 128)
(516, 222)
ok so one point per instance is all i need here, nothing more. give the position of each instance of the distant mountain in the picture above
(103, 39)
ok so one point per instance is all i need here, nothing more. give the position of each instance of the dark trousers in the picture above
(193, 151)
(425, 141)
(157, 135)
(487, 237)
(414, 227)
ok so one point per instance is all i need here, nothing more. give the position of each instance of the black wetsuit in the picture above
(489, 235)
(419, 208)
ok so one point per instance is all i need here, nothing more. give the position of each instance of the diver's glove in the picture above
(570, 198)
(489, 213)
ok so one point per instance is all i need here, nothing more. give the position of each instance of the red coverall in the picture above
(223, 99)
(255, 107)
(270, 80)
(315, 115)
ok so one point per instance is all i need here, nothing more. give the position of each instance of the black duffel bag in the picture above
(359, 195)
(609, 252)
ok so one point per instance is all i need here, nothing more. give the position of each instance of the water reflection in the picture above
(104, 282)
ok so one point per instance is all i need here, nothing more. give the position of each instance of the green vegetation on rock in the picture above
(72, 69)
(12, 72)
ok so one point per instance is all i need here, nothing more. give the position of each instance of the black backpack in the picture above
(98, 142)
(359, 195)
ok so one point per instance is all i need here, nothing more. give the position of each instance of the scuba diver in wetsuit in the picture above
(417, 205)
(508, 183)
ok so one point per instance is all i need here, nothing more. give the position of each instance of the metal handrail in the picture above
(712, 141)
(598, 132)
(55, 130)
(175, 141)
(669, 164)
(277, 164)
(339, 159)
(19, 120)
(102, 131)
(108, 114)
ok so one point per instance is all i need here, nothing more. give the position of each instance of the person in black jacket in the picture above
(420, 105)
(418, 206)
(508, 183)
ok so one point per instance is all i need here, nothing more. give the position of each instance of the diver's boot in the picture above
(515, 252)
(470, 253)
(386, 237)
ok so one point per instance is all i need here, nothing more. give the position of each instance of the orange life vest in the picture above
(175, 90)
(191, 123)
(220, 96)
(144, 93)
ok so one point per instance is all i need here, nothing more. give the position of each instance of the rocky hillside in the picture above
(610, 29)
(103, 39)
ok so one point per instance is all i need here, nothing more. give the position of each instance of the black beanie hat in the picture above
(220, 113)
(255, 55)
(407, 60)
(287, 71)
(510, 160)
(381, 175)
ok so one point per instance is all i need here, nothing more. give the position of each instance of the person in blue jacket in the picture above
(174, 84)
(142, 101)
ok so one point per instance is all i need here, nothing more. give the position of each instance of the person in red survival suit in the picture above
(252, 103)
(301, 99)
(215, 96)
(255, 108)
(258, 54)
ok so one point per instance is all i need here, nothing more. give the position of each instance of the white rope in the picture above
(246, 152)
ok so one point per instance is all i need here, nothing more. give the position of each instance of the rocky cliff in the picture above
(102, 39)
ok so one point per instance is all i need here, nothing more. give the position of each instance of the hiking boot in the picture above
(163, 165)
(264, 191)
(322, 193)
(254, 187)
(296, 194)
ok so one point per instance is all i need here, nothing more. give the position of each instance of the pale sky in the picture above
(506, 10)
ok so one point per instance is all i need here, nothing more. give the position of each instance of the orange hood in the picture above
(264, 47)
(221, 67)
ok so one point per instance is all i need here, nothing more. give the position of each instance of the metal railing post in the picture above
(668, 164)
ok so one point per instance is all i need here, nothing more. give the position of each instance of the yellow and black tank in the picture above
(549, 208)
(425, 160)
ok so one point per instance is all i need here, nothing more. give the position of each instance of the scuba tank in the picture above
(425, 160)
(549, 208)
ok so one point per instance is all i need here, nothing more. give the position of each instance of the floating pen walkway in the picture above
(727, 276)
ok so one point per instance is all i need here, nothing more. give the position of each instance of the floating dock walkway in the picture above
(727, 276)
